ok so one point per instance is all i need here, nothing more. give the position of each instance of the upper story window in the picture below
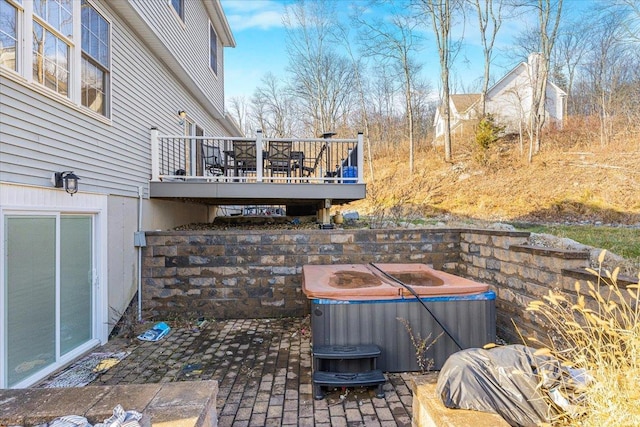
(57, 13)
(213, 49)
(8, 35)
(94, 80)
(37, 40)
(178, 5)
(52, 34)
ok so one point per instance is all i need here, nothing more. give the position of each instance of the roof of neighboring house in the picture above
(525, 65)
(462, 102)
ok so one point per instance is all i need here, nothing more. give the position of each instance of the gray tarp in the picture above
(510, 381)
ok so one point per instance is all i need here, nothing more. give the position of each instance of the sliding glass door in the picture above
(48, 290)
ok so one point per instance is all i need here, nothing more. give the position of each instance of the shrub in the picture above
(488, 132)
(420, 345)
(600, 337)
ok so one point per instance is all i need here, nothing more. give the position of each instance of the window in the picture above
(8, 35)
(94, 80)
(213, 49)
(178, 5)
(49, 27)
(52, 29)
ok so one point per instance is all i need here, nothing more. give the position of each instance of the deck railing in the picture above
(218, 159)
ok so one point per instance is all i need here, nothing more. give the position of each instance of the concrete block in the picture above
(429, 411)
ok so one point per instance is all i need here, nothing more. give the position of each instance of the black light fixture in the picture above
(66, 179)
(182, 115)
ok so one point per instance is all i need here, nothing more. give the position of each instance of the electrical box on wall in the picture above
(139, 240)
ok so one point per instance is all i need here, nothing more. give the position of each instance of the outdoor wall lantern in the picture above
(182, 115)
(66, 179)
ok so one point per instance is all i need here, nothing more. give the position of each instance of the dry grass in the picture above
(596, 333)
(569, 180)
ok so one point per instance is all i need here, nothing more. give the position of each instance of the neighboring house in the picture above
(463, 114)
(509, 101)
(82, 82)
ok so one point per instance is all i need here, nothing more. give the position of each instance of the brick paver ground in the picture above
(263, 367)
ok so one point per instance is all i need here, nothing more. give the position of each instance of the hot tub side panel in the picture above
(471, 322)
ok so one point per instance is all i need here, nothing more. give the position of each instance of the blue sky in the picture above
(261, 46)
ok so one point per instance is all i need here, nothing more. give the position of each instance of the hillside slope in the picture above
(562, 184)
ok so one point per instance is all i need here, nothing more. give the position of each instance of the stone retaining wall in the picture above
(257, 274)
(518, 273)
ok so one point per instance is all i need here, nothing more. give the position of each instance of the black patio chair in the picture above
(245, 157)
(213, 160)
(309, 166)
(279, 157)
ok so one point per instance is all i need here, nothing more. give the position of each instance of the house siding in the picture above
(42, 133)
(554, 104)
(193, 32)
(510, 99)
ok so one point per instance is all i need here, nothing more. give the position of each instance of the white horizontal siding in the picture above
(188, 41)
(42, 134)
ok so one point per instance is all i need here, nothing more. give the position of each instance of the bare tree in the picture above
(608, 68)
(549, 14)
(273, 107)
(440, 13)
(393, 40)
(572, 44)
(239, 109)
(383, 102)
(631, 21)
(320, 78)
(341, 35)
(489, 21)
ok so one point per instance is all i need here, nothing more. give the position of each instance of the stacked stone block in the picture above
(519, 274)
(257, 273)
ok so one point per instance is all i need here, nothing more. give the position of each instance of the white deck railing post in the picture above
(192, 156)
(259, 155)
(155, 155)
(360, 158)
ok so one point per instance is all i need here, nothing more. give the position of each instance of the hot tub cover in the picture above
(366, 282)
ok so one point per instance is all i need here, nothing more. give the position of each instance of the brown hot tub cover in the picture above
(366, 282)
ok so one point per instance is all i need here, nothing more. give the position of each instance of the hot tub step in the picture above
(347, 379)
(346, 351)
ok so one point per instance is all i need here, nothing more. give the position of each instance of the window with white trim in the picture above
(213, 49)
(52, 34)
(75, 66)
(95, 72)
(9, 34)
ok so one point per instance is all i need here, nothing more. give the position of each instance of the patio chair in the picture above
(213, 161)
(244, 157)
(308, 170)
(279, 157)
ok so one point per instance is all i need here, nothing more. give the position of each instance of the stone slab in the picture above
(429, 411)
(179, 404)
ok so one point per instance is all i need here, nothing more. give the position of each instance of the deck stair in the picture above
(332, 368)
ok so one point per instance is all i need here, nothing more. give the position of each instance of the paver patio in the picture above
(263, 367)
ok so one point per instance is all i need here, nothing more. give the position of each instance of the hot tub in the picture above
(355, 304)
